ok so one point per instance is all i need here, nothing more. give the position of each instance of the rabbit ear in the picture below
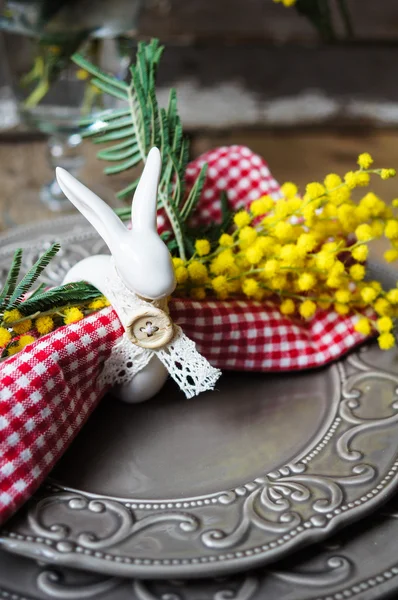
(144, 207)
(96, 211)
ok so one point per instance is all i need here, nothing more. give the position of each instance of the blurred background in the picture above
(307, 84)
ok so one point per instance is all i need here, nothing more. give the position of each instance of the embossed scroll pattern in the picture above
(333, 478)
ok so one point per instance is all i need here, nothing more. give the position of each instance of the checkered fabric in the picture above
(48, 390)
(243, 335)
(243, 175)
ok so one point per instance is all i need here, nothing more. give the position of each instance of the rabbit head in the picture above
(141, 257)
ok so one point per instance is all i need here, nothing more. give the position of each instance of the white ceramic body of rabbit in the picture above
(141, 258)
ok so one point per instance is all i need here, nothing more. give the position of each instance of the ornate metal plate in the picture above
(220, 483)
(347, 566)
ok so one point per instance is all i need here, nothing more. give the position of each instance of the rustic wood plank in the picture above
(263, 85)
(258, 19)
(304, 156)
(301, 157)
(205, 19)
(277, 71)
(257, 85)
(24, 169)
(249, 81)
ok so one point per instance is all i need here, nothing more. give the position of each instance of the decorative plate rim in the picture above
(340, 568)
(51, 543)
(282, 492)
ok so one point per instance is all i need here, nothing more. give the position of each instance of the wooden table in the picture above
(300, 156)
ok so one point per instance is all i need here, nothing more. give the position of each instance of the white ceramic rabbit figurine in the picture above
(141, 258)
(137, 278)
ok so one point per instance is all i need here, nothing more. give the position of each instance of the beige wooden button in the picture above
(150, 328)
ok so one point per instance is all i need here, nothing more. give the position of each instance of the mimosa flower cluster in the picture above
(17, 330)
(304, 252)
(286, 3)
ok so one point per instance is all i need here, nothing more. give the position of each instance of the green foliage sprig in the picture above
(13, 295)
(13, 292)
(21, 304)
(133, 130)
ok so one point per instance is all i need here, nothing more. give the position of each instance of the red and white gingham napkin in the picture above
(243, 175)
(48, 390)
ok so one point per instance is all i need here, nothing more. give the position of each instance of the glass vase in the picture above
(52, 93)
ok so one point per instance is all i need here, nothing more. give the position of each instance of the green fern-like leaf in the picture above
(119, 134)
(212, 232)
(106, 115)
(11, 280)
(226, 212)
(37, 291)
(119, 152)
(54, 298)
(32, 275)
(41, 301)
(139, 126)
(109, 126)
(194, 194)
(127, 164)
(98, 73)
(128, 190)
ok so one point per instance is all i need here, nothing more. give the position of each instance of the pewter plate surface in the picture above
(344, 566)
(228, 480)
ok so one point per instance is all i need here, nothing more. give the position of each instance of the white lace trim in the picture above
(191, 371)
(124, 301)
(125, 361)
